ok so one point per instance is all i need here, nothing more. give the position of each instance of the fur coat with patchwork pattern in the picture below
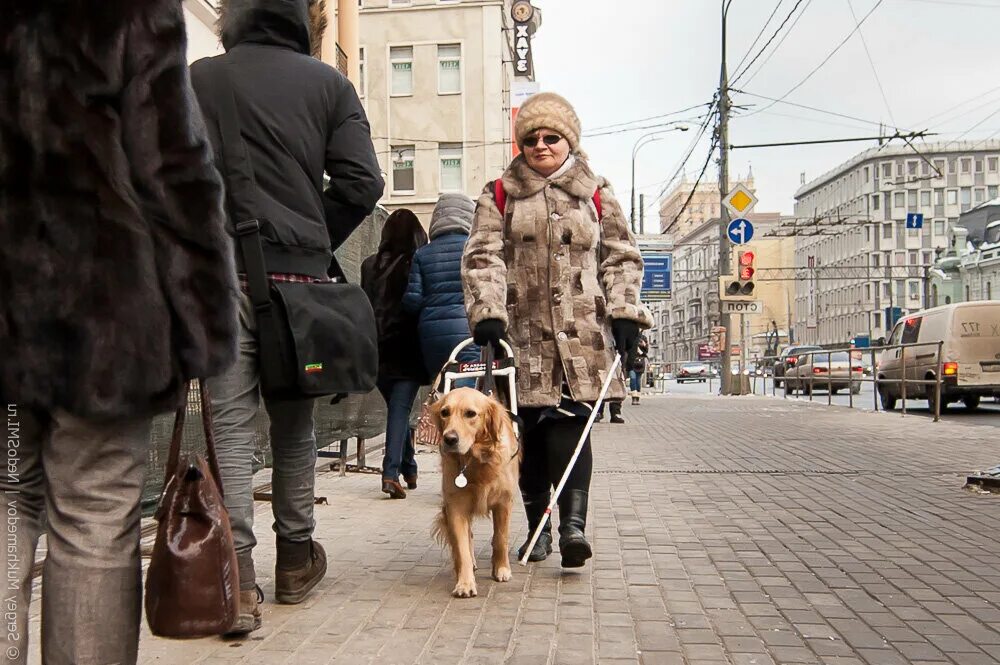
(556, 276)
(117, 281)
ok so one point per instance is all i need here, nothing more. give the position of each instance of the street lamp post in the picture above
(640, 142)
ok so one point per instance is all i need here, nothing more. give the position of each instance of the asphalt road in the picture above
(988, 413)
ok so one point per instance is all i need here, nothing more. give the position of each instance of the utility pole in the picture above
(724, 267)
(642, 214)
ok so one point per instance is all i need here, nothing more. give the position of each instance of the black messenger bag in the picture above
(314, 338)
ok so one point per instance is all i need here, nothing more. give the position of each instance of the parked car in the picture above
(830, 370)
(693, 372)
(969, 364)
(788, 357)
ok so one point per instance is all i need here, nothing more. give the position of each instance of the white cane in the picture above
(572, 460)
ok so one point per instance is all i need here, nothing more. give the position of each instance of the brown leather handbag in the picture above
(192, 587)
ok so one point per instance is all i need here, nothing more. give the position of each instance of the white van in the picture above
(970, 356)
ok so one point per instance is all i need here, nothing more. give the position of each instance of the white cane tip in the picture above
(523, 562)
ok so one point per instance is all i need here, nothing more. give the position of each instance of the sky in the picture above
(621, 61)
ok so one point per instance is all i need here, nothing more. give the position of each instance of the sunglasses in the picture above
(548, 139)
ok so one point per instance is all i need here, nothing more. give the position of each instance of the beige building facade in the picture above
(684, 323)
(705, 205)
(436, 80)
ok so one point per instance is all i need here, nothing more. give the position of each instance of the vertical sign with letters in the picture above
(523, 12)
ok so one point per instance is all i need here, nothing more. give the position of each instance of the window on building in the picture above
(876, 260)
(399, 3)
(363, 66)
(876, 201)
(939, 228)
(403, 177)
(952, 197)
(449, 69)
(867, 173)
(899, 169)
(401, 58)
(877, 320)
(899, 258)
(925, 198)
(968, 295)
(885, 290)
(978, 195)
(868, 234)
(925, 168)
(900, 287)
(899, 199)
(911, 200)
(991, 192)
(966, 198)
(966, 165)
(913, 258)
(887, 231)
(992, 164)
(927, 259)
(939, 165)
(911, 167)
(868, 292)
(887, 170)
(989, 290)
(451, 167)
(939, 197)
(979, 166)
(952, 165)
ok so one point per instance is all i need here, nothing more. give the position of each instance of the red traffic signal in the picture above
(746, 273)
(747, 258)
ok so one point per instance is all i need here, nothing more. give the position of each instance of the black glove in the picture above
(626, 334)
(489, 331)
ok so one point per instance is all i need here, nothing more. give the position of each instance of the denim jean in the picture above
(635, 380)
(236, 401)
(84, 480)
(399, 452)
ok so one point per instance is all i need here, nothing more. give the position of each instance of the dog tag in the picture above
(461, 481)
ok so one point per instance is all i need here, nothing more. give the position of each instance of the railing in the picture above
(858, 354)
(341, 61)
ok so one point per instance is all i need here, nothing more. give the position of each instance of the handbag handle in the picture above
(489, 383)
(173, 461)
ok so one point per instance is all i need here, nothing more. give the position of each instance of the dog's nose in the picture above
(450, 439)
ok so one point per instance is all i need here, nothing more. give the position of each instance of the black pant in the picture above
(548, 447)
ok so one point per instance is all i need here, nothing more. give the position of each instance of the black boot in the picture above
(616, 413)
(573, 545)
(534, 507)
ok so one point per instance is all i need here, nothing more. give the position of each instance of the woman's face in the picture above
(546, 151)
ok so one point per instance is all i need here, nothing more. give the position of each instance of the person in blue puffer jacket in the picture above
(435, 289)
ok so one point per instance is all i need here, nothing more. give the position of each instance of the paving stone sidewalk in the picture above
(740, 530)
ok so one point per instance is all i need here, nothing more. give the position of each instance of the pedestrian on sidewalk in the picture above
(300, 117)
(551, 265)
(401, 371)
(638, 368)
(434, 293)
(117, 286)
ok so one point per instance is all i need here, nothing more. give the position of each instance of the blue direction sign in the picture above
(914, 220)
(740, 231)
(656, 277)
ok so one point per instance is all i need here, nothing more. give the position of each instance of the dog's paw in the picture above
(502, 574)
(465, 590)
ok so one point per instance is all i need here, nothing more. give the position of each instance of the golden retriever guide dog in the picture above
(480, 461)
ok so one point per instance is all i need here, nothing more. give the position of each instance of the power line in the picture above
(911, 135)
(627, 130)
(708, 160)
(691, 148)
(810, 108)
(959, 105)
(871, 62)
(778, 45)
(652, 117)
(826, 59)
(975, 126)
(957, 3)
(760, 34)
(740, 73)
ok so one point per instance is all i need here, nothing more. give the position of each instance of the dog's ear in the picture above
(493, 419)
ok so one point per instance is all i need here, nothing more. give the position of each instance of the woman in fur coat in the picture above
(117, 286)
(551, 266)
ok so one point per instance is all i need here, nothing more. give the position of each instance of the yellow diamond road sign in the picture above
(740, 200)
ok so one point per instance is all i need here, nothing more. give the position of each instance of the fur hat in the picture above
(549, 110)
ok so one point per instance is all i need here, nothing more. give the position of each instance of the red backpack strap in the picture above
(598, 206)
(500, 196)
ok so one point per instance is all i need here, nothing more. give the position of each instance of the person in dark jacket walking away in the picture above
(401, 371)
(435, 290)
(117, 286)
(299, 117)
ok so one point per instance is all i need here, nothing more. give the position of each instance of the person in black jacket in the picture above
(299, 118)
(401, 371)
(117, 287)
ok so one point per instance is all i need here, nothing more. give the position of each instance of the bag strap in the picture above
(500, 198)
(174, 458)
(489, 382)
(241, 186)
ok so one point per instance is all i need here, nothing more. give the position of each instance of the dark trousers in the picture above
(548, 447)
(399, 452)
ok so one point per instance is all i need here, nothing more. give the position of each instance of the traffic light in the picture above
(740, 286)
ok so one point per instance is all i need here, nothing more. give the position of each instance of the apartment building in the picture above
(864, 267)
(436, 81)
(683, 324)
(679, 217)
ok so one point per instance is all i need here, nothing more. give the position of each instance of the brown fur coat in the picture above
(556, 277)
(116, 277)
